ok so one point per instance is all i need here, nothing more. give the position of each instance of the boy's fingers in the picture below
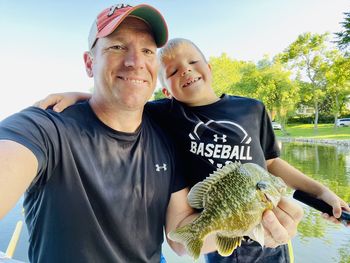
(286, 221)
(63, 104)
(274, 228)
(49, 101)
(292, 209)
(330, 218)
(337, 211)
(269, 241)
(281, 223)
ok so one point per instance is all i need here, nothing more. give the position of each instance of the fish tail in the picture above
(189, 238)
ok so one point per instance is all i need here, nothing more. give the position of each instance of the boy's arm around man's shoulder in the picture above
(18, 169)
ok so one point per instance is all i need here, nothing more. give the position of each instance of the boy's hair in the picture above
(168, 51)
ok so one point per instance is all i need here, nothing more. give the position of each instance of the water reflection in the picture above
(318, 240)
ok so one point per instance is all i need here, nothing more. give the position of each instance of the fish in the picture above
(233, 200)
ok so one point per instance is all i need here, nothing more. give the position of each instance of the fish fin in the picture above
(226, 245)
(199, 190)
(196, 194)
(257, 234)
(189, 238)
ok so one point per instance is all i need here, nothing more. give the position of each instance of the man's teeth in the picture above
(137, 81)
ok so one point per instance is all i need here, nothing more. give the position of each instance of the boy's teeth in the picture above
(192, 81)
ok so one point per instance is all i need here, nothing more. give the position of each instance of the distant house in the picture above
(305, 110)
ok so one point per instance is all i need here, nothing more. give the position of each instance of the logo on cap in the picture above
(116, 7)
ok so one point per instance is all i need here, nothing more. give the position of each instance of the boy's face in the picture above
(188, 75)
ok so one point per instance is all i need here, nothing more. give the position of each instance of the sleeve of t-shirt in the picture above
(267, 137)
(159, 110)
(36, 130)
(179, 181)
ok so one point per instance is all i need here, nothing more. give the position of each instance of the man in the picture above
(100, 179)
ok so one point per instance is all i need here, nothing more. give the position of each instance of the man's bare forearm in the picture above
(18, 169)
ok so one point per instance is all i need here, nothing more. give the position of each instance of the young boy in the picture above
(211, 131)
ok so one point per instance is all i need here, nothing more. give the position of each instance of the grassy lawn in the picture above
(324, 131)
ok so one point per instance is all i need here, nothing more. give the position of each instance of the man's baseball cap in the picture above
(110, 18)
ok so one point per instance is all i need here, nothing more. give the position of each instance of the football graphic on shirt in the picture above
(220, 142)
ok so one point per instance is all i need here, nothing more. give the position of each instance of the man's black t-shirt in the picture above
(100, 195)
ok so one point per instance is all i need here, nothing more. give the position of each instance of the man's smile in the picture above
(133, 80)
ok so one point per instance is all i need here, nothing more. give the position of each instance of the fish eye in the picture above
(262, 185)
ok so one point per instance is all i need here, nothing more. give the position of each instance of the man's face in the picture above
(188, 75)
(125, 66)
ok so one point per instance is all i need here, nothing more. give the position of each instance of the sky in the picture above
(42, 41)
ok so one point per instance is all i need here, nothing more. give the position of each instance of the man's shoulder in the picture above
(159, 110)
(156, 129)
(46, 119)
(77, 109)
(160, 104)
(35, 112)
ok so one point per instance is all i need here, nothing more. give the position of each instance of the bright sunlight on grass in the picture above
(324, 131)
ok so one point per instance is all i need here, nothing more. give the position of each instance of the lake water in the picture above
(316, 241)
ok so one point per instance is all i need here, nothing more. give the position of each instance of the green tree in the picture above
(307, 56)
(158, 94)
(226, 72)
(338, 82)
(270, 83)
(343, 37)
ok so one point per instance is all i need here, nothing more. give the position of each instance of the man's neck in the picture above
(118, 119)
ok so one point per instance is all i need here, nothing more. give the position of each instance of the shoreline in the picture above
(316, 141)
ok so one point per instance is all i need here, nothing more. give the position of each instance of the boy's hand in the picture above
(60, 101)
(336, 202)
(281, 223)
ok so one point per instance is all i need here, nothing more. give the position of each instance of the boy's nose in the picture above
(187, 70)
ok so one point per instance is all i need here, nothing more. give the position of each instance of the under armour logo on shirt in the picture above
(217, 138)
(159, 168)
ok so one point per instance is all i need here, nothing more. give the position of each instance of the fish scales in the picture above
(233, 200)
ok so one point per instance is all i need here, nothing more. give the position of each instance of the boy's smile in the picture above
(191, 81)
(188, 75)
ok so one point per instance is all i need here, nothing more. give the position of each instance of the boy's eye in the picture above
(172, 73)
(193, 61)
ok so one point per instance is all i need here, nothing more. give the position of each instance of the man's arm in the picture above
(297, 180)
(18, 168)
(280, 224)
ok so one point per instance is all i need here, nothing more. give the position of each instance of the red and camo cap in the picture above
(110, 18)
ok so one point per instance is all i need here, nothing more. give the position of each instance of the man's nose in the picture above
(134, 59)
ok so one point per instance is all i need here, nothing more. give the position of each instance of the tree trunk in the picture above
(336, 111)
(316, 114)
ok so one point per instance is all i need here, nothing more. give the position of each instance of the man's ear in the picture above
(88, 60)
(166, 93)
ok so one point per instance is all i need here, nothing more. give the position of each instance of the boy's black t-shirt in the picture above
(100, 195)
(231, 129)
